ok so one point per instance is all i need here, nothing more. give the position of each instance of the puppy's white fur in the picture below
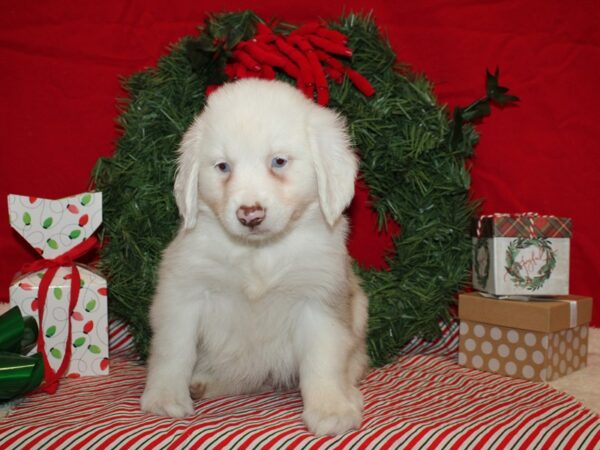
(240, 309)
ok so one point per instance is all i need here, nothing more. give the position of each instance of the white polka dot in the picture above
(464, 328)
(583, 332)
(550, 352)
(530, 339)
(543, 374)
(562, 347)
(569, 335)
(470, 345)
(576, 361)
(576, 343)
(562, 367)
(512, 336)
(503, 350)
(494, 364)
(549, 372)
(555, 339)
(462, 358)
(520, 353)
(545, 341)
(496, 333)
(538, 357)
(583, 350)
(555, 360)
(528, 372)
(569, 354)
(477, 361)
(510, 368)
(479, 330)
(486, 347)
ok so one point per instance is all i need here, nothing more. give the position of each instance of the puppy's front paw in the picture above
(334, 415)
(167, 402)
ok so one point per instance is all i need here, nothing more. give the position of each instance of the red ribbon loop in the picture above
(62, 260)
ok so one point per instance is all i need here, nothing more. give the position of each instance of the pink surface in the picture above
(60, 80)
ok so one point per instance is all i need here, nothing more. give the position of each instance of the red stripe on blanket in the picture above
(595, 441)
(578, 433)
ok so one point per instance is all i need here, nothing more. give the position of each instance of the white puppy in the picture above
(256, 291)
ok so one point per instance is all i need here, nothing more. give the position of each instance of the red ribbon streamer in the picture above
(51, 378)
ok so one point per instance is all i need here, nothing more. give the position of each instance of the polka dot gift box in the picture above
(521, 254)
(539, 339)
(68, 299)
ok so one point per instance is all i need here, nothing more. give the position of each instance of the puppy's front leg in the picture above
(172, 358)
(332, 404)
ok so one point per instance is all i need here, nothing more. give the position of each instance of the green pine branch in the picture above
(480, 108)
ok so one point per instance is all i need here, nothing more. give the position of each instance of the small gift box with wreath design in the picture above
(67, 299)
(521, 254)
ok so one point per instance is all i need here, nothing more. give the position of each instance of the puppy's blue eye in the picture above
(278, 162)
(223, 167)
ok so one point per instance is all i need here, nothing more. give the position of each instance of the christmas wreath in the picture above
(412, 160)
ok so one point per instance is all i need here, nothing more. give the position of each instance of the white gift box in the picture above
(522, 254)
(52, 228)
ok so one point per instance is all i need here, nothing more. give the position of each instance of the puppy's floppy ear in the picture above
(186, 178)
(335, 163)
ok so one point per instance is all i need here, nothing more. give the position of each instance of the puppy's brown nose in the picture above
(251, 216)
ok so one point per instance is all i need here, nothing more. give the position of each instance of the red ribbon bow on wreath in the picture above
(51, 377)
(306, 55)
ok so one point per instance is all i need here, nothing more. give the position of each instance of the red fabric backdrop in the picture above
(60, 80)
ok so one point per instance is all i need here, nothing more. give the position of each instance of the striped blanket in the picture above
(423, 400)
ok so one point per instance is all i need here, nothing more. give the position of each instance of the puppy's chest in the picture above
(259, 276)
(279, 273)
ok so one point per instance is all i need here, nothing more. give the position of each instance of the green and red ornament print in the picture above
(52, 227)
(67, 299)
(521, 254)
(412, 160)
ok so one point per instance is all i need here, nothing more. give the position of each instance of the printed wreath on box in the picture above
(481, 259)
(515, 268)
(412, 160)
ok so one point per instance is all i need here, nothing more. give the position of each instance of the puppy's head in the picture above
(258, 155)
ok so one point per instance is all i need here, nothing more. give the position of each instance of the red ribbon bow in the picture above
(51, 378)
(307, 55)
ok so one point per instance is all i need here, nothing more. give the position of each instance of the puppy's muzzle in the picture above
(251, 216)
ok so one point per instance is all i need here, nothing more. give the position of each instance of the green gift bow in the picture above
(18, 374)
